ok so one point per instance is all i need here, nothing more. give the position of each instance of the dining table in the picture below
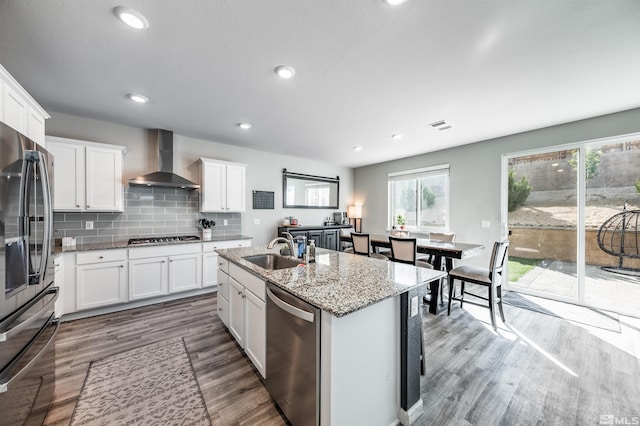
(437, 250)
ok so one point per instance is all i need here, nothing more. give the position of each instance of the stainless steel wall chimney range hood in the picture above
(164, 177)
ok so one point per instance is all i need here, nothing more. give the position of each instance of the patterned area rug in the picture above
(154, 384)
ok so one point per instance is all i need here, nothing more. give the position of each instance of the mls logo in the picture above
(606, 419)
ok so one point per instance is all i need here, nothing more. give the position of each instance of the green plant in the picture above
(519, 266)
(592, 161)
(400, 220)
(518, 191)
(428, 197)
(638, 186)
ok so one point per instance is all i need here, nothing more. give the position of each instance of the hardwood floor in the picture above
(538, 369)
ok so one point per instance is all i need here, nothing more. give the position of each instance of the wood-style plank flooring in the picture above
(538, 369)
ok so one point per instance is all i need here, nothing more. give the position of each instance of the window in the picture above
(421, 197)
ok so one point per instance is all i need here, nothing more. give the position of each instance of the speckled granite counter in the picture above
(123, 244)
(338, 283)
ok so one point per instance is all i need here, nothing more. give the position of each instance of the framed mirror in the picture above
(309, 192)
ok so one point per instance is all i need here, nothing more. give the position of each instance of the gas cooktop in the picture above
(157, 240)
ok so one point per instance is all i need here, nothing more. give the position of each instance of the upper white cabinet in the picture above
(87, 176)
(223, 186)
(19, 110)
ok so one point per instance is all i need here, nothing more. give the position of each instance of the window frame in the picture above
(416, 174)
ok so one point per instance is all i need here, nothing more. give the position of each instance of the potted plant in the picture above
(401, 221)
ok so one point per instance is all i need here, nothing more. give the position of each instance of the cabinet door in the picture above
(101, 284)
(209, 269)
(235, 188)
(236, 311)
(255, 345)
(330, 239)
(185, 272)
(214, 189)
(35, 126)
(148, 278)
(104, 179)
(317, 237)
(68, 176)
(223, 310)
(15, 109)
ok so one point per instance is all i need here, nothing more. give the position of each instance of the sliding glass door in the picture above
(543, 222)
(574, 220)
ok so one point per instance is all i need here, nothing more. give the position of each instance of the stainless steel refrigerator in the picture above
(28, 293)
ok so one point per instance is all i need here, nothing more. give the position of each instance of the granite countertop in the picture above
(123, 244)
(338, 283)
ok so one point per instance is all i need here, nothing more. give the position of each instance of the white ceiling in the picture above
(364, 70)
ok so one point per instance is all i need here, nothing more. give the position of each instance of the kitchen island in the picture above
(369, 331)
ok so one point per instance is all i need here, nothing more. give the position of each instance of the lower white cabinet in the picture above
(101, 278)
(148, 277)
(245, 314)
(185, 272)
(160, 270)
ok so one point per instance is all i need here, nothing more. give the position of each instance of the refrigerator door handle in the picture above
(299, 313)
(48, 215)
(4, 385)
(7, 333)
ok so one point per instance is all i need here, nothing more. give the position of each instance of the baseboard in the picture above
(411, 415)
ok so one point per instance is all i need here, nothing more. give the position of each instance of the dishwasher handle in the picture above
(296, 312)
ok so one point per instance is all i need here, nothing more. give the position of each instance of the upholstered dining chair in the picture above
(491, 278)
(362, 246)
(445, 237)
(346, 232)
(403, 250)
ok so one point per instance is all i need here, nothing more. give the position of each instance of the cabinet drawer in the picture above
(223, 310)
(223, 284)
(99, 256)
(211, 246)
(251, 282)
(168, 250)
(223, 264)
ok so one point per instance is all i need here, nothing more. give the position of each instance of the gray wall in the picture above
(264, 172)
(475, 175)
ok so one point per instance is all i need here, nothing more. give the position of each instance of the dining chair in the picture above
(445, 237)
(362, 246)
(346, 232)
(403, 250)
(491, 278)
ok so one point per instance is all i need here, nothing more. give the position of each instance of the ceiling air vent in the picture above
(441, 125)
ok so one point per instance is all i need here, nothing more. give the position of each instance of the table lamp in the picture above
(355, 213)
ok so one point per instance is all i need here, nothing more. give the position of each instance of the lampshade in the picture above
(354, 212)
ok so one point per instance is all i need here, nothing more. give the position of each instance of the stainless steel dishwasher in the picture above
(293, 356)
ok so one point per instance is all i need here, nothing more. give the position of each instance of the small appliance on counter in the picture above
(340, 218)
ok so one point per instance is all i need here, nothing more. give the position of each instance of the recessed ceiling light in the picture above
(555, 165)
(244, 126)
(397, 136)
(131, 17)
(394, 2)
(285, 71)
(138, 98)
(357, 148)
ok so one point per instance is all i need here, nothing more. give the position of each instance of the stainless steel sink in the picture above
(272, 261)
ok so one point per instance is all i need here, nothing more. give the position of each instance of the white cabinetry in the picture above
(19, 110)
(160, 270)
(87, 175)
(101, 278)
(223, 291)
(246, 312)
(223, 186)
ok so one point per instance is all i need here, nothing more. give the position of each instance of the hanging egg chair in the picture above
(619, 236)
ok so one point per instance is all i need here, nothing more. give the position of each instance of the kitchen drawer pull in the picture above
(100, 257)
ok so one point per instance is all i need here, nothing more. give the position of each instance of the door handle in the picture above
(296, 312)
